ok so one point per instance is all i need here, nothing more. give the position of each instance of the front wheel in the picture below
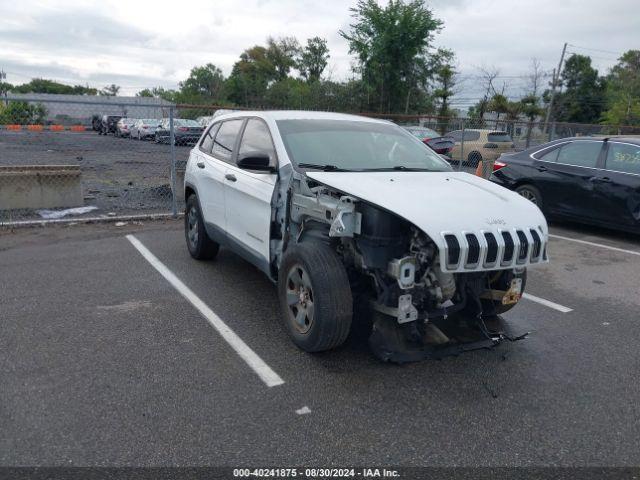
(200, 245)
(315, 297)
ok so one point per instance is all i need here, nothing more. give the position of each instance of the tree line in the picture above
(396, 69)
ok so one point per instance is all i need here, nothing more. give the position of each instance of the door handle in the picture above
(542, 168)
(600, 180)
(231, 177)
(200, 164)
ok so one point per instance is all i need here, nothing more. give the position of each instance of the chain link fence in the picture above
(98, 158)
(116, 157)
(474, 145)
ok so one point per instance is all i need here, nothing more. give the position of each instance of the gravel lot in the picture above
(118, 175)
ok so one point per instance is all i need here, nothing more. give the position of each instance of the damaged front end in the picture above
(417, 298)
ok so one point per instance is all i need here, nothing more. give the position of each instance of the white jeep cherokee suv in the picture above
(363, 227)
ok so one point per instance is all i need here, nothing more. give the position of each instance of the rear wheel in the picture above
(200, 246)
(315, 297)
(531, 193)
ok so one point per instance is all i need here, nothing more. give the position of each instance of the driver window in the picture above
(256, 138)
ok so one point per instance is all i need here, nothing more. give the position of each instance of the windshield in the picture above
(356, 146)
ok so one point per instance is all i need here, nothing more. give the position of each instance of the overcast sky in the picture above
(147, 43)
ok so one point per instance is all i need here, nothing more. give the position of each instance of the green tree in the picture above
(250, 77)
(623, 91)
(145, 92)
(110, 90)
(205, 84)
(313, 59)
(282, 54)
(22, 113)
(392, 48)
(583, 97)
(444, 82)
(42, 85)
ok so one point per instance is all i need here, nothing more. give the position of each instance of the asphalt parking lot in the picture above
(107, 363)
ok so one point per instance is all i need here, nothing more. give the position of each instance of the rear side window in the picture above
(623, 157)
(225, 139)
(548, 155)
(499, 137)
(207, 142)
(471, 136)
(256, 138)
(580, 154)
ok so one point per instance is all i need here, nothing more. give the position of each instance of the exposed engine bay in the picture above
(415, 300)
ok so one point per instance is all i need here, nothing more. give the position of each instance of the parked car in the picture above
(591, 180)
(479, 145)
(341, 210)
(185, 131)
(123, 127)
(108, 124)
(145, 128)
(431, 138)
(205, 120)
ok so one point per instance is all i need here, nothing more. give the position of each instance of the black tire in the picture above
(200, 245)
(473, 159)
(531, 193)
(502, 283)
(324, 287)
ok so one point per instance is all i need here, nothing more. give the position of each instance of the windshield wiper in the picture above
(324, 168)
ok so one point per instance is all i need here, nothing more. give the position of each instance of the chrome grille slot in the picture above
(509, 246)
(524, 246)
(492, 248)
(473, 254)
(453, 250)
(537, 244)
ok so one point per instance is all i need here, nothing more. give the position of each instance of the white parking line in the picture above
(264, 371)
(593, 244)
(547, 303)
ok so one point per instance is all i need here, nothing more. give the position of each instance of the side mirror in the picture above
(258, 161)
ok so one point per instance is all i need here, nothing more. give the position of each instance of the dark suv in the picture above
(109, 124)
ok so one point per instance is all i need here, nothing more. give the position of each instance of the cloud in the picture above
(138, 44)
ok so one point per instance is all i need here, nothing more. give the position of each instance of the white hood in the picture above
(440, 202)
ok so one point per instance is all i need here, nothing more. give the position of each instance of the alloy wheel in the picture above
(192, 231)
(299, 299)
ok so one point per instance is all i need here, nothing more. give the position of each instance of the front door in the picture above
(249, 194)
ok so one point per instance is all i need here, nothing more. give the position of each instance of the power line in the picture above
(594, 49)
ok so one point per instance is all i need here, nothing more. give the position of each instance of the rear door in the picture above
(248, 196)
(618, 184)
(214, 163)
(564, 178)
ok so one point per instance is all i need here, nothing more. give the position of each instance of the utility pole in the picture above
(3, 90)
(554, 83)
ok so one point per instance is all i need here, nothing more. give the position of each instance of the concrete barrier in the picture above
(40, 186)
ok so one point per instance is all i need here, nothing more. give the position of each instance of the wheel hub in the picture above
(299, 299)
